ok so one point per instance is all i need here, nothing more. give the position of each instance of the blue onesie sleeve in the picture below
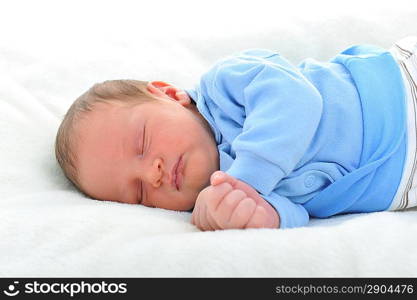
(276, 112)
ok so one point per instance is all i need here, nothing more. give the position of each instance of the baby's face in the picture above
(158, 154)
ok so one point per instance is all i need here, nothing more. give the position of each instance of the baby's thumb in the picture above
(219, 177)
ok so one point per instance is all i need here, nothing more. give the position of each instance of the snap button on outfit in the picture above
(309, 181)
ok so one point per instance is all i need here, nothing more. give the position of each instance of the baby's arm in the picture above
(229, 203)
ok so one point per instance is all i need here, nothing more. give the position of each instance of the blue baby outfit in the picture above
(317, 139)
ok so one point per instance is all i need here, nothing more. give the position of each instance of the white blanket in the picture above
(50, 52)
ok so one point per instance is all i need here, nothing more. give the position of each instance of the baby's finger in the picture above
(242, 213)
(196, 213)
(258, 219)
(194, 216)
(212, 222)
(215, 194)
(219, 177)
(204, 225)
(225, 209)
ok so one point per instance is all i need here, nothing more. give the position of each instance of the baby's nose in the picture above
(156, 175)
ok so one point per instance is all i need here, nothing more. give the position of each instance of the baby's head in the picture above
(127, 140)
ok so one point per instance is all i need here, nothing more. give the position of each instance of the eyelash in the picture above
(143, 140)
(143, 146)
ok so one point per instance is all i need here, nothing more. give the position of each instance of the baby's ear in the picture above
(168, 91)
(182, 96)
(157, 88)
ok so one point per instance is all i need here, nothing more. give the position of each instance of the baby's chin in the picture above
(190, 202)
(191, 197)
(189, 193)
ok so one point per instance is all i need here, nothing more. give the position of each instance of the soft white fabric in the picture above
(51, 51)
(404, 52)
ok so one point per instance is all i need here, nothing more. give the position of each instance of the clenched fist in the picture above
(229, 203)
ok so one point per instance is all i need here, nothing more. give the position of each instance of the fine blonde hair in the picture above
(129, 92)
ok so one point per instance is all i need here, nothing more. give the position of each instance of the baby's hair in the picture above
(129, 92)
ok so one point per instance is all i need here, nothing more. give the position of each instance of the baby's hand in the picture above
(229, 203)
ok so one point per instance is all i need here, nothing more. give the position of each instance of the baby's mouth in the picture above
(176, 174)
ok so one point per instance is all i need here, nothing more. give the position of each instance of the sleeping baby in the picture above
(257, 143)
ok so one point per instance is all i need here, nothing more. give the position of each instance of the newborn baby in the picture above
(258, 143)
